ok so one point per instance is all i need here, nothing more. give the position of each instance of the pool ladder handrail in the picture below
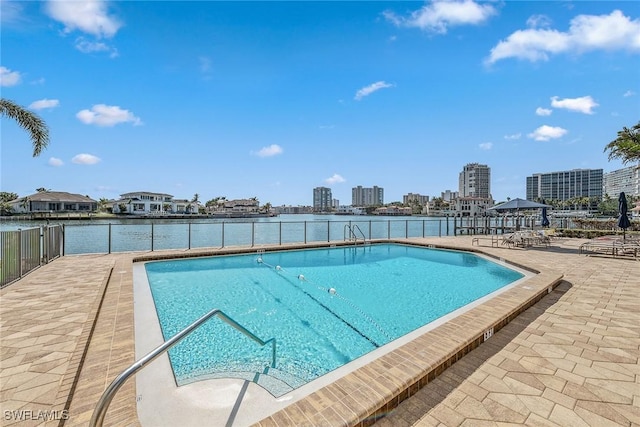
(351, 231)
(100, 411)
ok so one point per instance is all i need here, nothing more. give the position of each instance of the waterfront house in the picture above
(393, 210)
(53, 201)
(148, 203)
(472, 206)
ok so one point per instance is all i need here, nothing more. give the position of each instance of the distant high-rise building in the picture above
(449, 195)
(322, 199)
(367, 196)
(626, 179)
(475, 181)
(413, 197)
(565, 185)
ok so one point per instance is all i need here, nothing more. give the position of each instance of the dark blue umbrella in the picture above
(545, 220)
(623, 219)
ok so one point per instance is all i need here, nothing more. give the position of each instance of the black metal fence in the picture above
(21, 251)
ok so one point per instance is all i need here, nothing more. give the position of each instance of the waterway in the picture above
(122, 235)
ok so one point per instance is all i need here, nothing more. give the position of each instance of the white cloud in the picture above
(538, 21)
(54, 161)
(545, 133)
(543, 111)
(586, 32)
(205, 64)
(8, 77)
(368, 90)
(439, 15)
(44, 103)
(11, 12)
(107, 115)
(584, 104)
(85, 159)
(86, 46)
(486, 145)
(513, 136)
(89, 16)
(334, 179)
(628, 93)
(271, 150)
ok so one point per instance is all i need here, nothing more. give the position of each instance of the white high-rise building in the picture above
(475, 181)
(322, 199)
(367, 196)
(626, 179)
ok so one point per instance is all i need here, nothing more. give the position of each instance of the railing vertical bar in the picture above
(305, 232)
(222, 234)
(189, 238)
(439, 228)
(109, 237)
(328, 231)
(280, 233)
(152, 237)
(253, 233)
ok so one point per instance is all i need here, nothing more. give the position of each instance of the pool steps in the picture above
(99, 413)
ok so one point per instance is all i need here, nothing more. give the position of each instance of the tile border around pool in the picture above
(367, 394)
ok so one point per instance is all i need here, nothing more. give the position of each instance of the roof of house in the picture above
(56, 196)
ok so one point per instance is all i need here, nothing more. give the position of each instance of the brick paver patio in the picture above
(571, 359)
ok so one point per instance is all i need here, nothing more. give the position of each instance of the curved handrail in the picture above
(97, 418)
(352, 233)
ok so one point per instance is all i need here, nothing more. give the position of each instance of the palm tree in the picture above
(29, 121)
(626, 146)
(103, 204)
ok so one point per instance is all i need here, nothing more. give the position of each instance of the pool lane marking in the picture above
(324, 306)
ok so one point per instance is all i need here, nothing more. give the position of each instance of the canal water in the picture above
(122, 235)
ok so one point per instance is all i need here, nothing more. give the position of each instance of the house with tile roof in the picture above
(53, 201)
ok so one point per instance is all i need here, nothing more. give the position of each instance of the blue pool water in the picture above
(325, 307)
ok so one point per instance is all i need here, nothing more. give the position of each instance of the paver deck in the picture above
(66, 331)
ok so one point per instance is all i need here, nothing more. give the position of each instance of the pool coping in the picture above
(365, 395)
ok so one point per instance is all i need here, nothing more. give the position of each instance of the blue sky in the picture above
(271, 99)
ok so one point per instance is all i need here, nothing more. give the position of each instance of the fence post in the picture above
(44, 245)
(388, 229)
(109, 238)
(305, 232)
(189, 238)
(253, 233)
(370, 237)
(152, 237)
(222, 243)
(280, 233)
(406, 228)
(19, 252)
(328, 231)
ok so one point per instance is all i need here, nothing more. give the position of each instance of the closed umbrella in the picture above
(545, 220)
(623, 219)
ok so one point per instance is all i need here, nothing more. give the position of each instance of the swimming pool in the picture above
(325, 307)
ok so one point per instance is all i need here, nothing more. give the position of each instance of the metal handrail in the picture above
(352, 234)
(103, 404)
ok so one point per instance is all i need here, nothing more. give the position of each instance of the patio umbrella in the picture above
(623, 219)
(517, 204)
(545, 220)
